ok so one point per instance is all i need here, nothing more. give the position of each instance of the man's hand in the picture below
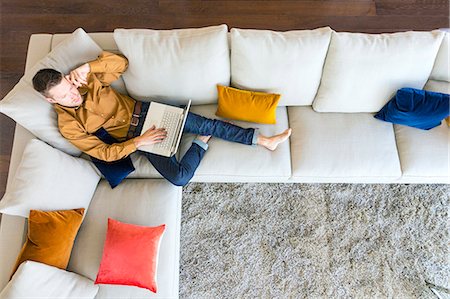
(78, 76)
(151, 136)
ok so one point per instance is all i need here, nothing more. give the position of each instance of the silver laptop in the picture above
(170, 118)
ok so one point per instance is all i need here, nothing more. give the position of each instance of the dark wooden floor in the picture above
(20, 18)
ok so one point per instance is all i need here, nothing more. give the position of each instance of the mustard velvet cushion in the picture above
(50, 237)
(251, 106)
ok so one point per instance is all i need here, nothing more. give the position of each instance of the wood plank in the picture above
(6, 134)
(335, 1)
(131, 7)
(6, 138)
(60, 23)
(298, 8)
(14, 36)
(416, 8)
(275, 22)
(7, 82)
(3, 178)
(10, 50)
(12, 65)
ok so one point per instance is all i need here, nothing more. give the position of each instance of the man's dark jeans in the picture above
(180, 172)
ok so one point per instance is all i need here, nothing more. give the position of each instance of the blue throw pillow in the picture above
(416, 108)
(114, 172)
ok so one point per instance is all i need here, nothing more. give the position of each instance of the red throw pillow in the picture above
(130, 255)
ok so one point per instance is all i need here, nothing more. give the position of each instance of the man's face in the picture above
(65, 94)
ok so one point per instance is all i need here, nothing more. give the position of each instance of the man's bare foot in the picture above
(205, 139)
(272, 142)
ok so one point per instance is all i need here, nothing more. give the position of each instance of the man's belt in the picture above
(135, 119)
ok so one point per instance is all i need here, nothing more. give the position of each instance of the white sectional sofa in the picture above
(325, 147)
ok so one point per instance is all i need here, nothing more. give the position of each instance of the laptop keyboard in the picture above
(169, 122)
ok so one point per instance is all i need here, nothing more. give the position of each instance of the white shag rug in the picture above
(314, 240)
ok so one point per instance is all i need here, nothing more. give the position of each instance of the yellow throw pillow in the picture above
(50, 237)
(448, 121)
(252, 106)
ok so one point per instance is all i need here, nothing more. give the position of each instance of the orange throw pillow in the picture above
(50, 237)
(252, 106)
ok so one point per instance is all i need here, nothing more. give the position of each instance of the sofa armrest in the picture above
(38, 46)
(12, 236)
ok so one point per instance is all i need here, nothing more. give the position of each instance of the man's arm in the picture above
(107, 68)
(94, 147)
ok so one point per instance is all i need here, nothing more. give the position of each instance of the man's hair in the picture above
(46, 79)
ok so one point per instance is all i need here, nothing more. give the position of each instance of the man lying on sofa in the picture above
(85, 103)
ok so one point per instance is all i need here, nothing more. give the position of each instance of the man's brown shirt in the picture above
(102, 107)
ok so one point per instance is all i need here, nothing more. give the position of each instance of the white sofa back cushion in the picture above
(289, 63)
(175, 65)
(29, 108)
(441, 69)
(48, 179)
(37, 280)
(363, 71)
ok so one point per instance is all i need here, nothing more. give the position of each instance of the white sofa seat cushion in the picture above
(137, 201)
(363, 71)
(143, 168)
(289, 63)
(233, 162)
(424, 154)
(37, 280)
(340, 147)
(175, 65)
(438, 86)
